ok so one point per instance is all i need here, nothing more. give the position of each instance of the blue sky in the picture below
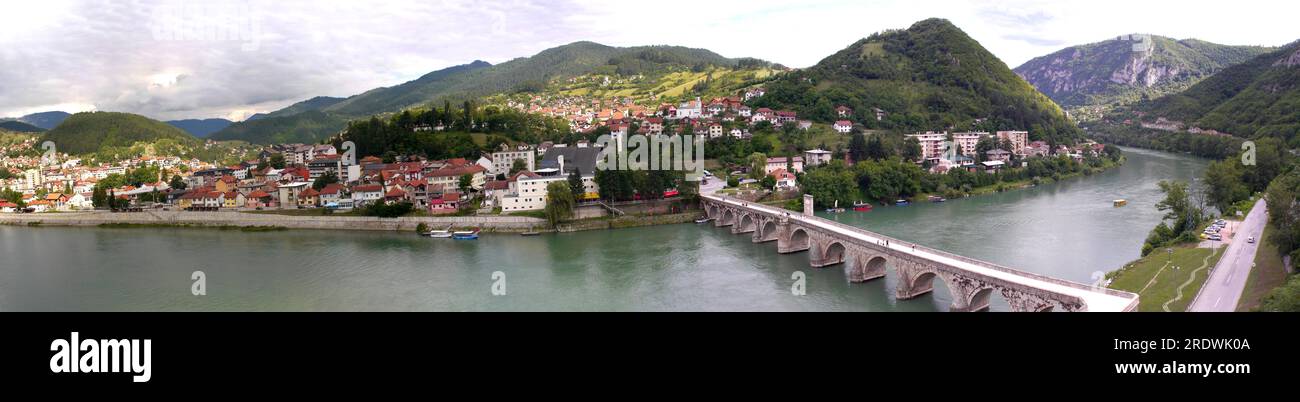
(145, 56)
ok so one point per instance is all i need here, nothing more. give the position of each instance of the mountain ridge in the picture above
(1129, 68)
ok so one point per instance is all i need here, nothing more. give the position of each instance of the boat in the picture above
(862, 207)
(470, 235)
(935, 198)
(439, 234)
(902, 203)
(1121, 203)
(836, 209)
(531, 233)
(702, 220)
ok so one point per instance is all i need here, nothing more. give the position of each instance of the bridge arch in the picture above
(868, 267)
(768, 228)
(832, 254)
(981, 300)
(746, 223)
(727, 218)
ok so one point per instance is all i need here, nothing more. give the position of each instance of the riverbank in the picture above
(1166, 282)
(252, 221)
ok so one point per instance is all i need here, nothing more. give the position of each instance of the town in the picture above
(509, 179)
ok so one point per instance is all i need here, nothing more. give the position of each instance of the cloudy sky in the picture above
(197, 59)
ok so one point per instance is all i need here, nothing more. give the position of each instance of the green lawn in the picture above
(1268, 274)
(1170, 275)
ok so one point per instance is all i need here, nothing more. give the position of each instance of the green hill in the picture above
(306, 127)
(473, 81)
(20, 127)
(1129, 68)
(317, 103)
(931, 76)
(1260, 97)
(90, 132)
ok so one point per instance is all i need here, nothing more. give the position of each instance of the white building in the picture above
(504, 160)
(530, 194)
(843, 126)
(815, 157)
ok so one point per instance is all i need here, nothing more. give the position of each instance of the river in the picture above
(1068, 230)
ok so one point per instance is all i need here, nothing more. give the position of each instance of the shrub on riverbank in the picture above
(384, 210)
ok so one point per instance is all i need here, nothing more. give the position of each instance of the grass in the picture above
(1268, 274)
(1158, 277)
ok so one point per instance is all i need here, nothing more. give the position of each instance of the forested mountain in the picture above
(44, 120)
(307, 127)
(18, 126)
(317, 103)
(90, 132)
(476, 80)
(200, 128)
(1129, 68)
(1260, 97)
(931, 76)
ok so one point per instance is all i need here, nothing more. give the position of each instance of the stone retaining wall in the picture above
(239, 219)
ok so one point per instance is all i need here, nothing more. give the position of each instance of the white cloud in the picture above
(256, 56)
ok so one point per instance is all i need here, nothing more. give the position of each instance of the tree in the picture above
(277, 161)
(757, 165)
(177, 183)
(466, 181)
(576, 186)
(911, 149)
(517, 166)
(769, 182)
(858, 147)
(830, 183)
(324, 180)
(1225, 184)
(560, 202)
(875, 149)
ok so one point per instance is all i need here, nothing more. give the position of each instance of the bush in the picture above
(383, 210)
(421, 228)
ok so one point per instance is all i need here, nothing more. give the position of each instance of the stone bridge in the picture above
(867, 255)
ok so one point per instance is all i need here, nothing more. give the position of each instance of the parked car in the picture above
(1251, 240)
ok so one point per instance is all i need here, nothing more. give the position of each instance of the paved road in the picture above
(1223, 290)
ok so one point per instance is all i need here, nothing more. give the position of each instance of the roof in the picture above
(368, 188)
(583, 159)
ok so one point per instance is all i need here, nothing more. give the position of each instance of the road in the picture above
(1223, 289)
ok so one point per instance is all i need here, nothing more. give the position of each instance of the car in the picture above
(1251, 240)
(1216, 238)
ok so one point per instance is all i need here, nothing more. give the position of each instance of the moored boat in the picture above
(935, 198)
(862, 207)
(702, 220)
(902, 203)
(470, 235)
(439, 234)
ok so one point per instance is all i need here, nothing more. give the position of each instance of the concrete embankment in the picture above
(508, 224)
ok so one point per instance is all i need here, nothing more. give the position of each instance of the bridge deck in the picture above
(1096, 299)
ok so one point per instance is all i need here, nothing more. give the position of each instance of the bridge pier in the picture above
(913, 284)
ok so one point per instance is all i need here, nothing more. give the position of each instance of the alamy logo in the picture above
(1141, 42)
(101, 356)
(653, 152)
